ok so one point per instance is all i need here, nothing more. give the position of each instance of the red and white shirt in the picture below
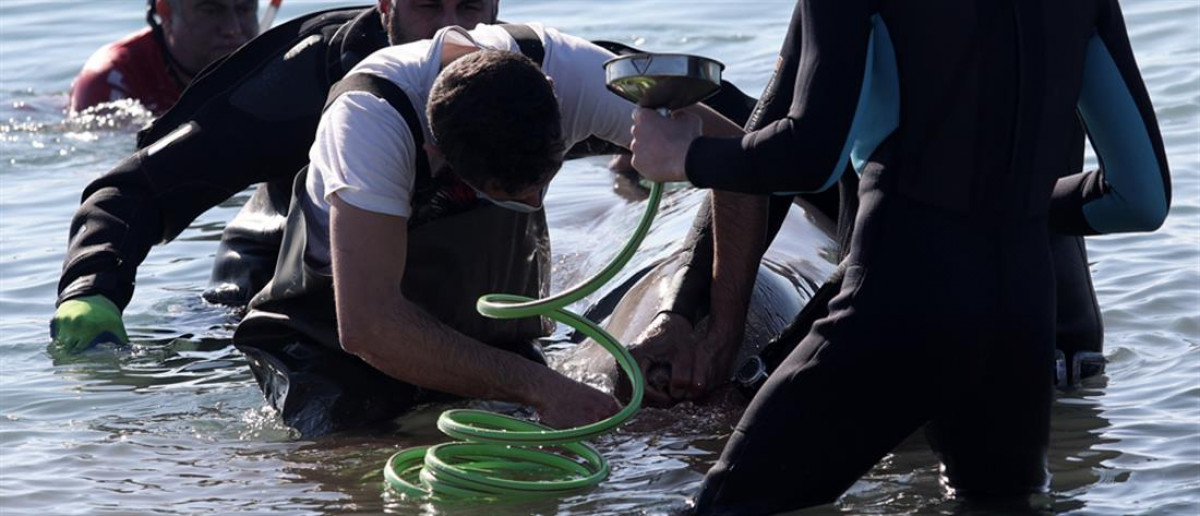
(132, 67)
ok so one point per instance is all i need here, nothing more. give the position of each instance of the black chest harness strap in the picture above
(388, 91)
(527, 40)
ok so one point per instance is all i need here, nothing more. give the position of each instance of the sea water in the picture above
(175, 424)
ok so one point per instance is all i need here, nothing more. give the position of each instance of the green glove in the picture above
(83, 322)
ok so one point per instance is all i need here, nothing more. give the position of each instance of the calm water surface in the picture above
(175, 425)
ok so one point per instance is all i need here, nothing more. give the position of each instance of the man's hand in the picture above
(570, 404)
(681, 362)
(655, 351)
(704, 364)
(660, 144)
(84, 322)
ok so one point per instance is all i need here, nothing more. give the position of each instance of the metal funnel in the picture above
(669, 81)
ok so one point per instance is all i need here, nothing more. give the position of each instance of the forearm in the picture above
(148, 198)
(714, 123)
(377, 323)
(739, 235)
(739, 231)
(1071, 194)
(110, 235)
(688, 294)
(411, 345)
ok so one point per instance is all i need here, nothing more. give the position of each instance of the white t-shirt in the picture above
(364, 151)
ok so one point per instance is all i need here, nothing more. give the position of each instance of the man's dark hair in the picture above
(494, 116)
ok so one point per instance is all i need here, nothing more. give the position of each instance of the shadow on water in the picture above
(908, 481)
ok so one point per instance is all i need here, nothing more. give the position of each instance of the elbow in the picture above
(1126, 207)
(1131, 218)
(1149, 213)
(353, 340)
(1149, 218)
(362, 332)
(356, 334)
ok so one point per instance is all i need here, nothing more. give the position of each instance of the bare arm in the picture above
(377, 324)
(701, 360)
(739, 233)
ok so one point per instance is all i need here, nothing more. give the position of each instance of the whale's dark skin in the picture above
(791, 270)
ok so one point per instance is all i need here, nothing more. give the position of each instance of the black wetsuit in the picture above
(959, 117)
(247, 119)
(1079, 330)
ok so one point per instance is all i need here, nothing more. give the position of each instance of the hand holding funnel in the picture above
(663, 82)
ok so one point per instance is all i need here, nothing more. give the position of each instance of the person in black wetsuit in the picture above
(958, 118)
(1079, 332)
(251, 119)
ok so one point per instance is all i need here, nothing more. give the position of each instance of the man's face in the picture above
(411, 20)
(205, 30)
(529, 200)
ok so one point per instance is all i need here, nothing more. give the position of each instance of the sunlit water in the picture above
(175, 425)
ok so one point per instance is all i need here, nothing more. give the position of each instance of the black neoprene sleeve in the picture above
(800, 152)
(247, 121)
(1127, 142)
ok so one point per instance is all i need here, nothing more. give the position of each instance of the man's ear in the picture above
(163, 8)
(434, 152)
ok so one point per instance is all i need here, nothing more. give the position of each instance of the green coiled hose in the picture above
(509, 458)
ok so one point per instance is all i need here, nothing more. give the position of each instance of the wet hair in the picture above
(493, 114)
